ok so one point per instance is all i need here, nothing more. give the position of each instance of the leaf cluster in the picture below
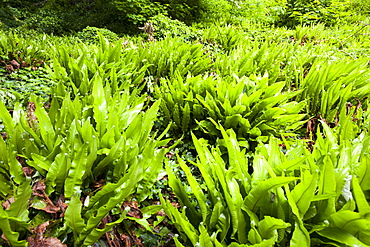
(278, 119)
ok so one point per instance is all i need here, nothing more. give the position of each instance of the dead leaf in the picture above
(38, 240)
(45, 242)
(161, 213)
(9, 69)
(62, 205)
(50, 208)
(112, 240)
(176, 204)
(40, 230)
(24, 64)
(130, 241)
(38, 237)
(98, 184)
(15, 64)
(134, 209)
(28, 171)
(3, 237)
(6, 204)
(31, 116)
(53, 242)
(20, 160)
(127, 240)
(39, 190)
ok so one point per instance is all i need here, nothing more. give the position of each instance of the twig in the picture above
(363, 23)
(354, 58)
(39, 3)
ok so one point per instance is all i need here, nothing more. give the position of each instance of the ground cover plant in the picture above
(230, 135)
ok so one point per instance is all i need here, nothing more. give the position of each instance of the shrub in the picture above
(10, 17)
(164, 26)
(47, 21)
(90, 34)
(2, 26)
(313, 11)
(139, 11)
(360, 6)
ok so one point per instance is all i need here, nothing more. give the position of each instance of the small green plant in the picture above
(249, 106)
(19, 86)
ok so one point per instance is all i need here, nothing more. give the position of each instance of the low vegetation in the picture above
(236, 133)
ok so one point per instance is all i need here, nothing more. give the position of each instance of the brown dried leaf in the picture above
(137, 241)
(50, 208)
(39, 189)
(3, 237)
(31, 117)
(112, 240)
(134, 209)
(47, 242)
(131, 240)
(24, 64)
(40, 230)
(7, 203)
(32, 242)
(42, 227)
(15, 64)
(21, 160)
(9, 69)
(127, 240)
(38, 240)
(62, 205)
(98, 184)
(176, 204)
(53, 242)
(28, 171)
(161, 213)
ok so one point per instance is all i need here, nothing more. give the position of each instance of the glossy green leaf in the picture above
(46, 127)
(19, 208)
(305, 191)
(100, 105)
(10, 234)
(269, 225)
(341, 237)
(73, 215)
(204, 239)
(73, 180)
(362, 203)
(253, 199)
(300, 235)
